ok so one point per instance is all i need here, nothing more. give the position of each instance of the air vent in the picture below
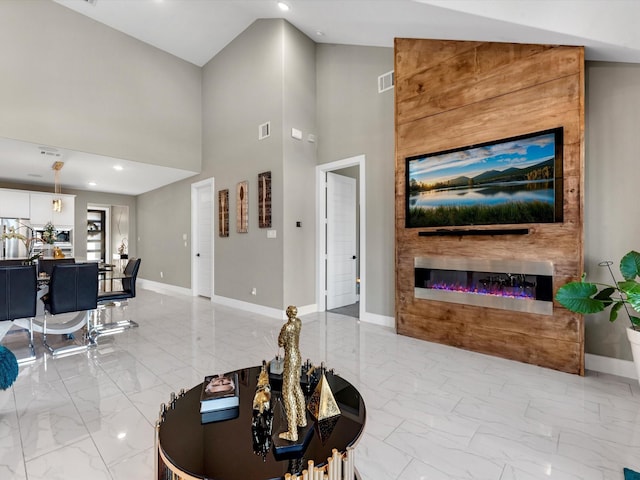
(264, 130)
(386, 81)
(49, 151)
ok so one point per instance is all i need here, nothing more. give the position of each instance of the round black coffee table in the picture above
(224, 450)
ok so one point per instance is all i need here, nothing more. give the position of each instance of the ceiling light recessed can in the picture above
(319, 33)
(283, 6)
(92, 184)
(118, 168)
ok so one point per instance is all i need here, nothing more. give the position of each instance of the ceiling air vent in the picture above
(264, 130)
(386, 81)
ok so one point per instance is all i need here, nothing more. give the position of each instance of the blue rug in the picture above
(631, 475)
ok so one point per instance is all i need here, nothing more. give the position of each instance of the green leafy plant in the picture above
(586, 297)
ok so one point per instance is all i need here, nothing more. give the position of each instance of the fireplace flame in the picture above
(521, 293)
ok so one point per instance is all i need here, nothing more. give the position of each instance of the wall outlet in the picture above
(161, 274)
(254, 291)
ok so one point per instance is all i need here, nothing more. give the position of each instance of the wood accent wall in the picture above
(451, 94)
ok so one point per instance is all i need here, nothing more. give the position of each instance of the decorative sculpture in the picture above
(292, 396)
(322, 403)
(262, 418)
(262, 397)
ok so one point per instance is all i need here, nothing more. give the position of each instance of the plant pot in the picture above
(634, 340)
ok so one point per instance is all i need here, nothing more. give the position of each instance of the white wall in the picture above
(354, 119)
(612, 176)
(70, 82)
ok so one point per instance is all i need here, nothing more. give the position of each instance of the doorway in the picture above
(341, 277)
(202, 235)
(98, 235)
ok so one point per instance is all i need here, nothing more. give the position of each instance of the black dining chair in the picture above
(73, 288)
(18, 291)
(119, 298)
(45, 265)
(11, 262)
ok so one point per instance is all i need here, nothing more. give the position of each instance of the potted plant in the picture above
(586, 297)
(49, 234)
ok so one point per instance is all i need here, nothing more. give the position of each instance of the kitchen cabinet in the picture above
(14, 204)
(42, 210)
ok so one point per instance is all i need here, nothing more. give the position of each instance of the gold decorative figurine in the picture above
(292, 396)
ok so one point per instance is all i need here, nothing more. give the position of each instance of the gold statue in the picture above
(292, 396)
(262, 397)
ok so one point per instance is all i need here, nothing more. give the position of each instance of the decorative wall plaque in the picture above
(223, 213)
(264, 200)
(242, 207)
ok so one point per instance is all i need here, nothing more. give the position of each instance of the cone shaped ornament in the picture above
(322, 404)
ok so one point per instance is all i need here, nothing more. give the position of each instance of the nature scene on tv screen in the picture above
(504, 182)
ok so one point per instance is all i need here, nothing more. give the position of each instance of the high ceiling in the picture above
(196, 30)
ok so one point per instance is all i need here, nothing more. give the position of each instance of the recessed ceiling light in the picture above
(283, 6)
(118, 168)
(92, 184)
(319, 33)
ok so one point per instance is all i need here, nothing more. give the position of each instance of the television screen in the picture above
(510, 181)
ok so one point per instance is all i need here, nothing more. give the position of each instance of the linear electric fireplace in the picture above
(516, 285)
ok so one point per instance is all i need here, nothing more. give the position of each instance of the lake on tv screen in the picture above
(507, 202)
(485, 195)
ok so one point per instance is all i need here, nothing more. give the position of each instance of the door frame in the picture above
(321, 214)
(107, 230)
(210, 183)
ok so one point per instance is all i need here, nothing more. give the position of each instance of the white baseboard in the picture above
(377, 319)
(248, 307)
(163, 287)
(261, 309)
(306, 309)
(612, 366)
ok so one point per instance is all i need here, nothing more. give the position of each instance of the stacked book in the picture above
(219, 399)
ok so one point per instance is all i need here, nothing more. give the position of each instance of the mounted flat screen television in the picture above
(511, 181)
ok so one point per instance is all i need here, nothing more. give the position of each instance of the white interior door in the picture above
(204, 236)
(341, 240)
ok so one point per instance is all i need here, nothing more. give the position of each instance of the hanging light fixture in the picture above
(57, 201)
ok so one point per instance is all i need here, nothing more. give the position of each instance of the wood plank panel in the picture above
(545, 352)
(488, 75)
(411, 57)
(529, 111)
(454, 94)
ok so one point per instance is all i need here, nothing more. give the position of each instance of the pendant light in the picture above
(57, 201)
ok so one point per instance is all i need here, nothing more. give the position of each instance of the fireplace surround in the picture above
(521, 286)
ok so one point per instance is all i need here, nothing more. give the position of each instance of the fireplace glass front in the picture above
(505, 284)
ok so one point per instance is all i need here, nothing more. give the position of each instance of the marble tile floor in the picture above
(433, 412)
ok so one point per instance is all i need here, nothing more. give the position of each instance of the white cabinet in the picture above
(42, 210)
(14, 204)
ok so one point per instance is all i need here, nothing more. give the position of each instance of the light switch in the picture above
(271, 233)
(297, 134)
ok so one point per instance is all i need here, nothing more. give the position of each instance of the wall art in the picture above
(264, 200)
(242, 207)
(223, 213)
